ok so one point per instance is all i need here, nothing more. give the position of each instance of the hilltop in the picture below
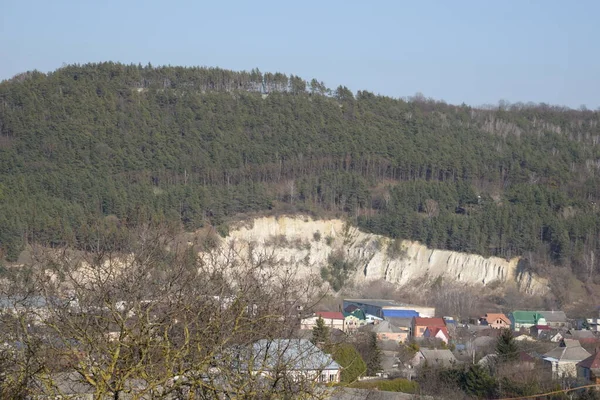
(103, 147)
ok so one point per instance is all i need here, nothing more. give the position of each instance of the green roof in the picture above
(358, 313)
(530, 317)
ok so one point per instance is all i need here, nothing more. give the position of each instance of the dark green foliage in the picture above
(506, 348)
(198, 146)
(388, 385)
(320, 333)
(338, 269)
(374, 358)
(473, 380)
(353, 365)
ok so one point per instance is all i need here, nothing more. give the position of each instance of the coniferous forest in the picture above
(108, 146)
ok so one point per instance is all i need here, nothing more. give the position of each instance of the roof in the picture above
(357, 313)
(592, 362)
(438, 356)
(376, 302)
(400, 313)
(433, 331)
(420, 321)
(525, 357)
(294, 354)
(554, 316)
(568, 350)
(386, 327)
(495, 316)
(330, 315)
(581, 334)
(528, 316)
(399, 322)
(351, 308)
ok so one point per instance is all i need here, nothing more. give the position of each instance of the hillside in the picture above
(102, 147)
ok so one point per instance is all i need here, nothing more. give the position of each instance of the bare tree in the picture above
(155, 320)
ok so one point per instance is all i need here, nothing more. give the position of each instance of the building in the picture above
(495, 321)
(555, 319)
(385, 330)
(434, 358)
(354, 319)
(564, 358)
(589, 369)
(520, 319)
(437, 333)
(297, 358)
(388, 308)
(333, 320)
(419, 325)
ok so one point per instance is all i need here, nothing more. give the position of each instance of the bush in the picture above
(317, 236)
(388, 385)
(353, 366)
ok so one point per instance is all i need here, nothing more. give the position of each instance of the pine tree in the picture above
(374, 360)
(506, 347)
(320, 333)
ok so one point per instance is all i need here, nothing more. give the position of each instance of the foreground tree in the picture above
(374, 360)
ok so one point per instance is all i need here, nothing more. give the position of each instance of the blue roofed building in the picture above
(388, 308)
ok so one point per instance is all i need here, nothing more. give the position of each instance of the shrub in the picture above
(388, 385)
(317, 236)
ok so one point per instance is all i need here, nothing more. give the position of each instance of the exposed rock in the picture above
(305, 244)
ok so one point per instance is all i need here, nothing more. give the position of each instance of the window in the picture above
(332, 378)
(323, 378)
(421, 330)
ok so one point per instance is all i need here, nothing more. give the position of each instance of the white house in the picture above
(564, 358)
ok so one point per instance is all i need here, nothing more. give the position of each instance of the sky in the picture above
(477, 52)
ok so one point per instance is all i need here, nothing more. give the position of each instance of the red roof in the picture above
(591, 362)
(434, 331)
(330, 315)
(432, 322)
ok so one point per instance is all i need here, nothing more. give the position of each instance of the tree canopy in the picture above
(108, 146)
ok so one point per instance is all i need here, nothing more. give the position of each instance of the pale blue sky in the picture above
(476, 51)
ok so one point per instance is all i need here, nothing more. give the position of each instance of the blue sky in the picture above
(476, 52)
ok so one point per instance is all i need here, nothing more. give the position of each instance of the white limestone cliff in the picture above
(305, 244)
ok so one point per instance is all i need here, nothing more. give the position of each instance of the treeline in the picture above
(197, 145)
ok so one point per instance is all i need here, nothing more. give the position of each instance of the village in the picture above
(410, 338)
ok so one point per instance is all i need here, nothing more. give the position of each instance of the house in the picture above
(434, 358)
(355, 319)
(298, 358)
(564, 358)
(385, 330)
(495, 321)
(589, 369)
(583, 336)
(525, 362)
(419, 325)
(525, 319)
(437, 333)
(555, 319)
(333, 320)
(372, 319)
(536, 330)
(390, 308)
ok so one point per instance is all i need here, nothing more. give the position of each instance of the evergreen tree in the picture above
(353, 366)
(506, 348)
(374, 360)
(320, 334)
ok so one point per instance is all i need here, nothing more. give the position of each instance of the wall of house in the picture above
(396, 336)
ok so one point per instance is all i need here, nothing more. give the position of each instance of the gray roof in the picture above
(377, 302)
(554, 316)
(386, 327)
(569, 350)
(291, 354)
(399, 322)
(439, 357)
(581, 334)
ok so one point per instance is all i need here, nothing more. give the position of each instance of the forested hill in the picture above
(110, 145)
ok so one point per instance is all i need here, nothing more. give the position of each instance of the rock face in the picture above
(306, 244)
